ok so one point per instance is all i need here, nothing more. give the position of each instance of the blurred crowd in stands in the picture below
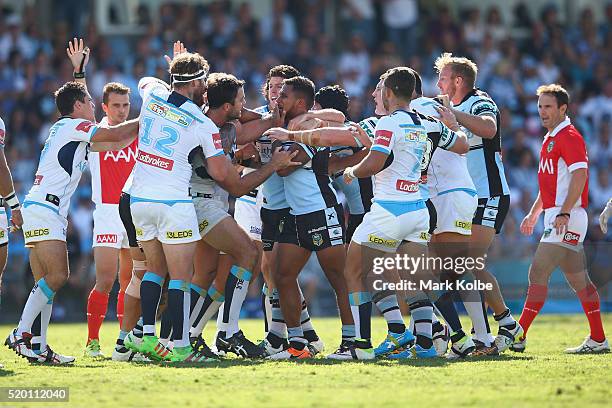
(348, 42)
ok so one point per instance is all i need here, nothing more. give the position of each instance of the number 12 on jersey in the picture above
(169, 137)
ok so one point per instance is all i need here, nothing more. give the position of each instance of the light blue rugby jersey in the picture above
(273, 189)
(309, 188)
(484, 159)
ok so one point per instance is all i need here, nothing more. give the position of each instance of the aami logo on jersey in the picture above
(38, 179)
(406, 186)
(571, 238)
(217, 140)
(155, 161)
(383, 137)
(127, 155)
(546, 166)
(106, 239)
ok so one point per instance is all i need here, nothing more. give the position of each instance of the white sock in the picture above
(474, 310)
(44, 325)
(236, 290)
(40, 295)
(210, 311)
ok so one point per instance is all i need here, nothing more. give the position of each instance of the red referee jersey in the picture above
(563, 151)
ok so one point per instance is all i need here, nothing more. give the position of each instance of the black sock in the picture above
(311, 335)
(397, 328)
(447, 308)
(423, 341)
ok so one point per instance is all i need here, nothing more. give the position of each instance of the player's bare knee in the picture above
(247, 255)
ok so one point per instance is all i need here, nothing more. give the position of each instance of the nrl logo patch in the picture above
(317, 239)
(550, 146)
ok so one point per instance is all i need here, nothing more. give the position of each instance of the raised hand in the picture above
(447, 117)
(178, 48)
(78, 54)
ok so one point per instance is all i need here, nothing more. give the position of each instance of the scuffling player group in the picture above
(423, 178)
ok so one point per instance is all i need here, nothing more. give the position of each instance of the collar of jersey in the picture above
(468, 96)
(559, 127)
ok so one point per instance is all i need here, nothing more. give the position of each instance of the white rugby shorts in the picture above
(247, 215)
(41, 223)
(4, 228)
(455, 211)
(108, 228)
(170, 223)
(573, 237)
(210, 212)
(383, 230)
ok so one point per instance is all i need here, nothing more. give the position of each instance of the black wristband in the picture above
(563, 215)
(78, 75)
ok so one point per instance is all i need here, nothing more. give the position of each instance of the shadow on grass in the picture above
(6, 373)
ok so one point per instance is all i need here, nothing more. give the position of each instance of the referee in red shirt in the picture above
(564, 179)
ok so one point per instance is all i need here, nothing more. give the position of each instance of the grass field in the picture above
(542, 376)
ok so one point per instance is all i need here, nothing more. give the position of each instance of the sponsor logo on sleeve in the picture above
(106, 239)
(2, 134)
(571, 238)
(37, 179)
(84, 126)
(383, 137)
(155, 161)
(179, 234)
(216, 137)
(406, 186)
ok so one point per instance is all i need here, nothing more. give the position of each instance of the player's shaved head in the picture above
(68, 95)
(400, 81)
(303, 88)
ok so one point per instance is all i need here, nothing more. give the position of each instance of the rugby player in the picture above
(7, 197)
(563, 197)
(45, 208)
(109, 173)
(398, 212)
(163, 212)
(453, 197)
(479, 118)
(274, 210)
(209, 189)
(314, 224)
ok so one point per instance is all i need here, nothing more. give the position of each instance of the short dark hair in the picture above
(556, 90)
(304, 87)
(114, 87)
(281, 71)
(67, 95)
(418, 82)
(333, 96)
(401, 82)
(222, 88)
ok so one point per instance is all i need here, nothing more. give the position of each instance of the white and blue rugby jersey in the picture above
(484, 159)
(62, 161)
(171, 127)
(309, 188)
(447, 171)
(359, 193)
(409, 139)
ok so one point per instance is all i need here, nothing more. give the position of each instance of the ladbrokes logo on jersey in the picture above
(383, 137)
(179, 234)
(155, 161)
(40, 232)
(406, 186)
(106, 239)
(571, 238)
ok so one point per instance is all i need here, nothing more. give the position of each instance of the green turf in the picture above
(542, 376)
